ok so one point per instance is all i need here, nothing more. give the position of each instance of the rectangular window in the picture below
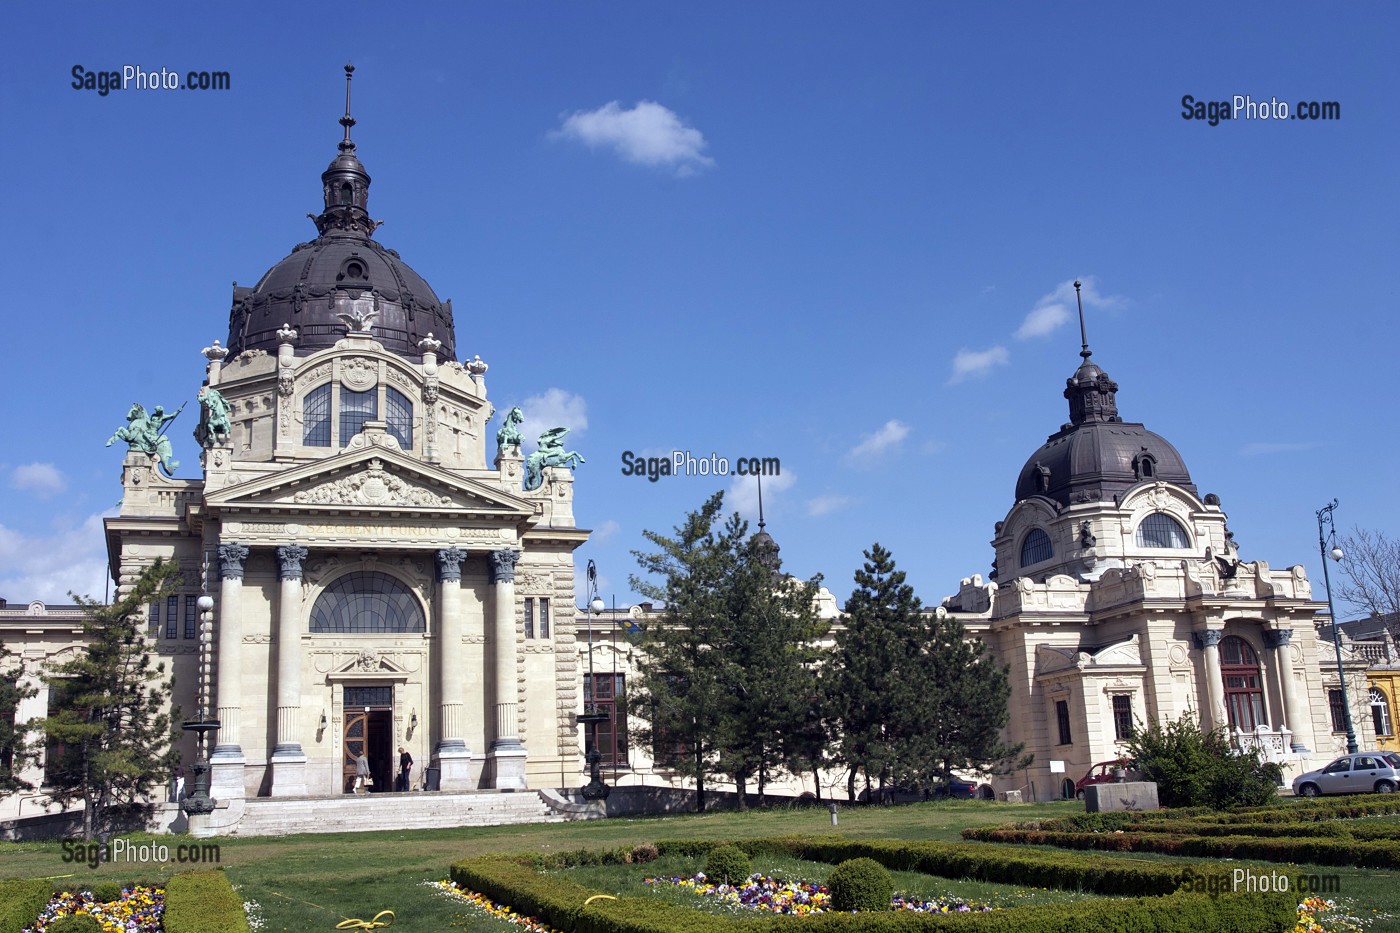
(544, 618)
(1122, 718)
(191, 616)
(529, 618)
(172, 617)
(154, 616)
(1337, 704)
(59, 759)
(1062, 716)
(316, 416)
(603, 693)
(374, 697)
(398, 412)
(355, 409)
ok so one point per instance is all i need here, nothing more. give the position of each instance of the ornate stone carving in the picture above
(1210, 638)
(257, 639)
(449, 561)
(374, 486)
(359, 374)
(532, 583)
(231, 558)
(503, 565)
(289, 558)
(1277, 637)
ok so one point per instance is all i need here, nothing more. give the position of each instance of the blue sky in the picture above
(838, 234)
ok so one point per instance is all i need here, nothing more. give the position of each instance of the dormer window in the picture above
(1145, 465)
(1036, 548)
(1160, 530)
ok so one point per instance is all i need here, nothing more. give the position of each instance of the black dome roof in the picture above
(1097, 456)
(321, 279)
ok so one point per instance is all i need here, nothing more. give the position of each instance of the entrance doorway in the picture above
(369, 729)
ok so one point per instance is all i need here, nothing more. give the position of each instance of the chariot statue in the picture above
(509, 433)
(214, 423)
(146, 433)
(551, 453)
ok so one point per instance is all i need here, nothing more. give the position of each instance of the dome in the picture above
(310, 287)
(1097, 456)
(341, 276)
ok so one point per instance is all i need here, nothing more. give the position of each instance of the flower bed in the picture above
(140, 909)
(775, 895)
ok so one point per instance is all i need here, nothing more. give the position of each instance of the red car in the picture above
(1102, 773)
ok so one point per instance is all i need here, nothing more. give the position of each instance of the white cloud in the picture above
(648, 134)
(873, 446)
(973, 363)
(48, 567)
(823, 505)
(1262, 448)
(554, 408)
(605, 532)
(743, 494)
(42, 479)
(1059, 306)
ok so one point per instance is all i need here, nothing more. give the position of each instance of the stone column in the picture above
(227, 761)
(1278, 640)
(1209, 642)
(506, 754)
(451, 757)
(288, 760)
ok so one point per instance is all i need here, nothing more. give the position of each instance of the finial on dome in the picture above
(760, 502)
(347, 121)
(1084, 350)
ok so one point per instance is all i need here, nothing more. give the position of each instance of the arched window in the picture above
(1161, 530)
(1244, 697)
(1036, 548)
(347, 193)
(355, 409)
(399, 413)
(367, 601)
(1067, 790)
(316, 416)
(1380, 712)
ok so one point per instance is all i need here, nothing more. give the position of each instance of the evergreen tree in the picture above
(117, 736)
(682, 697)
(873, 686)
(17, 747)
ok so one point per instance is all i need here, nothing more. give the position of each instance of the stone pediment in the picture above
(377, 479)
(1052, 659)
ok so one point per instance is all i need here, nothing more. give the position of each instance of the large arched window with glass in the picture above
(1036, 548)
(355, 409)
(1380, 712)
(1160, 530)
(398, 412)
(316, 416)
(1244, 695)
(367, 601)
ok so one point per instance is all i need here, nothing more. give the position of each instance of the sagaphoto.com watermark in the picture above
(1249, 881)
(121, 851)
(685, 463)
(1245, 107)
(135, 77)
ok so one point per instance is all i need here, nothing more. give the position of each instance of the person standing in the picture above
(362, 774)
(405, 767)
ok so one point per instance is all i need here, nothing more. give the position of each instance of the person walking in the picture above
(405, 767)
(362, 774)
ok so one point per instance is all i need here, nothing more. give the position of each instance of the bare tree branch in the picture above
(1371, 575)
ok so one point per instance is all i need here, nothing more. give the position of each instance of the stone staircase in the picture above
(280, 816)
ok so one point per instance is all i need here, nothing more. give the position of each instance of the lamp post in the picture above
(199, 802)
(1324, 517)
(595, 789)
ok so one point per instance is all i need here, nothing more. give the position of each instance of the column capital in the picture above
(503, 565)
(1277, 637)
(1210, 638)
(449, 563)
(289, 558)
(231, 558)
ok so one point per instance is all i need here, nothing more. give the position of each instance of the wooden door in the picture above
(355, 742)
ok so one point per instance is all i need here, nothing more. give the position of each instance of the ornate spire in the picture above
(346, 183)
(1091, 393)
(768, 548)
(1084, 350)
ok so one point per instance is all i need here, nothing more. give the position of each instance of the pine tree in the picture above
(873, 686)
(116, 733)
(682, 697)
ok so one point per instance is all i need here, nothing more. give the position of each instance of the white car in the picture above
(1361, 773)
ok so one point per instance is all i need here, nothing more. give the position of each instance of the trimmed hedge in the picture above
(203, 902)
(560, 903)
(21, 901)
(1317, 851)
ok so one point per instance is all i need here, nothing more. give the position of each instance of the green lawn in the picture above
(308, 883)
